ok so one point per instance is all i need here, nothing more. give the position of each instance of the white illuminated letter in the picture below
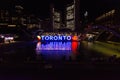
(60, 37)
(51, 37)
(64, 37)
(42, 37)
(68, 37)
(46, 37)
(55, 38)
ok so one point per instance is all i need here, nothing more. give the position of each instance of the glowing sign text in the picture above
(61, 38)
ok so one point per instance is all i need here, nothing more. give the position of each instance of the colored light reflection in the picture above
(74, 47)
(57, 50)
(54, 46)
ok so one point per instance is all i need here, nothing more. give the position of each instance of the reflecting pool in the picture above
(57, 50)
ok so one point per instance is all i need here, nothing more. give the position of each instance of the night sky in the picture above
(41, 7)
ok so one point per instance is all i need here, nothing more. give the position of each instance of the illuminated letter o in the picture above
(46, 37)
(69, 38)
(55, 38)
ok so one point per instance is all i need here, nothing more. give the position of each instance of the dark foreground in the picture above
(69, 70)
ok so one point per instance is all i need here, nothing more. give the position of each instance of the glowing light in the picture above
(11, 25)
(9, 38)
(38, 37)
(57, 50)
(55, 38)
(38, 45)
(75, 38)
(54, 46)
(74, 47)
(2, 36)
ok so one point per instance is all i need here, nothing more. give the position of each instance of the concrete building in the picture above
(4, 17)
(73, 16)
(46, 25)
(31, 21)
(55, 18)
(69, 18)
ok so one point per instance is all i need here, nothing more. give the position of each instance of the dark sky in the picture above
(41, 7)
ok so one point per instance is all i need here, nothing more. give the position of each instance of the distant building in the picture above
(51, 21)
(72, 16)
(18, 18)
(18, 14)
(46, 25)
(69, 18)
(32, 21)
(55, 18)
(4, 17)
(19, 9)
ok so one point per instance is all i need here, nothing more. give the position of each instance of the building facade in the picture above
(73, 16)
(55, 18)
(4, 17)
(18, 18)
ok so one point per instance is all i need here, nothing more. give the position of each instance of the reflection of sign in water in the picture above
(57, 50)
(74, 47)
(54, 46)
